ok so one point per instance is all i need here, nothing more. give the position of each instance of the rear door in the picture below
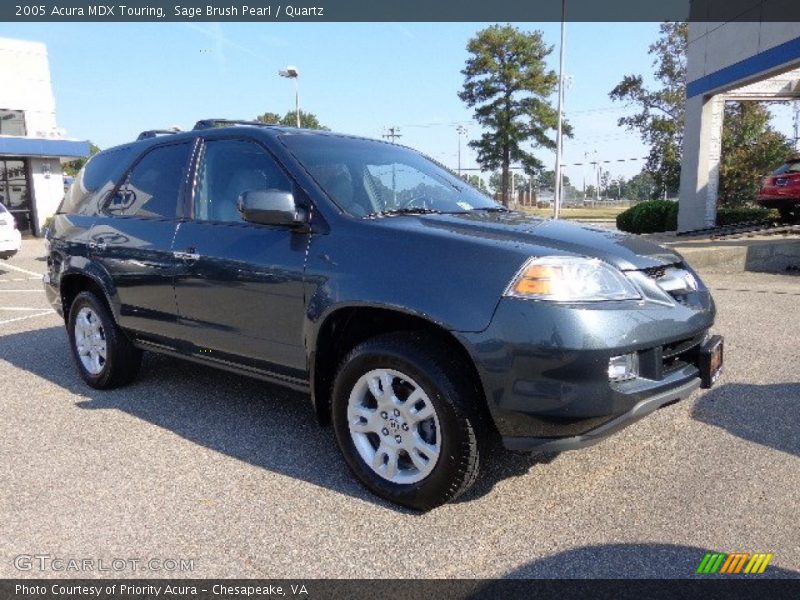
(240, 289)
(132, 239)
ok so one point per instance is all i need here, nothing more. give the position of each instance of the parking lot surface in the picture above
(235, 474)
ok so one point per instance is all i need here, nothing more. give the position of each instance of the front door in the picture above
(240, 290)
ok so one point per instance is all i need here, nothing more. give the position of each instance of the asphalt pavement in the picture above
(235, 478)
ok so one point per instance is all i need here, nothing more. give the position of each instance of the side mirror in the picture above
(271, 207)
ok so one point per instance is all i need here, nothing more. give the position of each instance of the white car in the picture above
(10, 238)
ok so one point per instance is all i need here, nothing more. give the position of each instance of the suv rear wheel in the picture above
(406, 420)
(104, 355)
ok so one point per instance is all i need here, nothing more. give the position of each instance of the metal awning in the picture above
(41, 147)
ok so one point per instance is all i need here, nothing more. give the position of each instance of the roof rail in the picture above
(151, 133)
(213, 123)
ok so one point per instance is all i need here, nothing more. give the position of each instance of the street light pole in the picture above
(560, 134)
(293, 73)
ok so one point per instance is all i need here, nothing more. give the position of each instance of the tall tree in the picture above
(508, 84)
(661, 116)
(307, 120)
(751, 148)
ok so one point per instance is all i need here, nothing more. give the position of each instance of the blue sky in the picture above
(112, 81)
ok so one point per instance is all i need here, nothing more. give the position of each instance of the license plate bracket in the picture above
(712, 356)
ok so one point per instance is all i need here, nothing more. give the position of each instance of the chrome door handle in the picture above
(187, 256)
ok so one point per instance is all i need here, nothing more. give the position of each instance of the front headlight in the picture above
(571, 279)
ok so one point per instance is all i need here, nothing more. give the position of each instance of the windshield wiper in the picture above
(408, 210)
(493, 209)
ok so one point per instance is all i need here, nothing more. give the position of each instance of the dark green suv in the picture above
(420, 316)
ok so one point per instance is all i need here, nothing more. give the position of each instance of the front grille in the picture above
(676, 348)
(655, 272)
(661, 360)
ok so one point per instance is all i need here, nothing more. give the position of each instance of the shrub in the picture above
(729, 216)
(649, 217)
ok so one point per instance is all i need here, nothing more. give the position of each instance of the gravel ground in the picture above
(235, 474)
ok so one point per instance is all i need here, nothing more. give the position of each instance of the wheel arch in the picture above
(345, 327)
(74, 282)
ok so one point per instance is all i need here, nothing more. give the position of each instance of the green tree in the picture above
(751, 148)
(547, 180)
(307, 120)
(661, 116)
(507, 82)
(495, 182)
(641, 187)
(71, 168)
(605, 181)
(476, 182)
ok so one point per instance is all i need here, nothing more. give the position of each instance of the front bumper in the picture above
(544, 367)
(640, 410)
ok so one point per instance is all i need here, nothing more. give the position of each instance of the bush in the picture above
(729, 216)
(649, 217)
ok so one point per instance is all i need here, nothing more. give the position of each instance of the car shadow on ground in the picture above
(766, 414)
(637, 561)
(256, 422)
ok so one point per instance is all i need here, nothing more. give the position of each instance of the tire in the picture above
(443, 429)
(105, 357)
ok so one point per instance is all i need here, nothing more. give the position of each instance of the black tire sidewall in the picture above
(440, 485)
(87, 299)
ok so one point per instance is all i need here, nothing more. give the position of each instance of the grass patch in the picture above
(588, 212)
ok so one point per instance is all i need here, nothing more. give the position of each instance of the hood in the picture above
(537, 237)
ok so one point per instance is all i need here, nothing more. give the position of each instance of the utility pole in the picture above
(797, 125)
(392, 134)
(461, 130)
(560, 132)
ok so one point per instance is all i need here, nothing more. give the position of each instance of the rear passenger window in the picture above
(95, 180)
(152, 187)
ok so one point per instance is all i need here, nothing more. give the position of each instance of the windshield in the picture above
(370, 178)
(789, 167)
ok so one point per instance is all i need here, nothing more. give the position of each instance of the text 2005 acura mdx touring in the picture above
(420, 316)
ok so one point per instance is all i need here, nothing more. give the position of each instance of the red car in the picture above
(781, 190)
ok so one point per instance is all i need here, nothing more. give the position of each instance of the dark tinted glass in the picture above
(227, 169)
(152, 187)
(95, 180)
(366, 177)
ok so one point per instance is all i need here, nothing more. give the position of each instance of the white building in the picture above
(752, 58)
(32, 146)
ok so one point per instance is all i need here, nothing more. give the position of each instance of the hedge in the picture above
(649, 217)
(662, 215)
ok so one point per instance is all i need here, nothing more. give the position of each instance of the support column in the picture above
(702, 148)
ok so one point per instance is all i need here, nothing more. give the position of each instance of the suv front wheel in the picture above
(104, 355)
(407, 421)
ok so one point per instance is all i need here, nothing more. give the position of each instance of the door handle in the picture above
(186, 256)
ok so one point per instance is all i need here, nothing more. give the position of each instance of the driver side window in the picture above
(227, 169)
